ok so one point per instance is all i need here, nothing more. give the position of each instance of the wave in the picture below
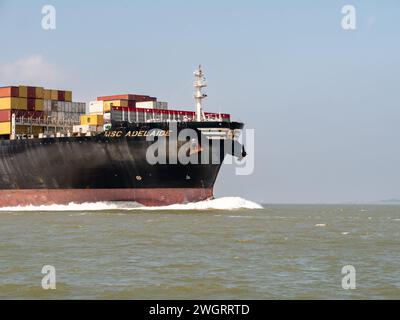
(224, 203)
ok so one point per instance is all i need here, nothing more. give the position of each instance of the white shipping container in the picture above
(46, 105)
(85, 128)
(146, 104)
(54, 106)
(96, 107)
(107, 116)
(161, 105)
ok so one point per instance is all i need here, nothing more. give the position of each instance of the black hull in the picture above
(102, 162)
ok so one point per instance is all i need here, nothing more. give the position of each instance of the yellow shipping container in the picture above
(8, 103)
(23, 91)
(106, 107)
(35, 130)
(54, 95)
(22, 104)
(120, 103)
(68, 96)
(115, 103)
(47, 94)
(21, 129)
(39, 104)
(95, 119)
(39, 93)
(5, 128)
(13, 103)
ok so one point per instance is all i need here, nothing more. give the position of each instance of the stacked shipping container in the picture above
(63, 111)
(131, 101)
(35, 108)
(141, 108)
(92, 122)
(21, 99)
(123, 100)
(152, 105)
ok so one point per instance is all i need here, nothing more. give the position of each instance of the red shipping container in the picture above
(116, 97)
(61, 95)
(133, 97)
(5, 115)
(31, 92)
(145, 98)
(6, 92)
(31, 104)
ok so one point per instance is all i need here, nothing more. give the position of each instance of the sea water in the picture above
(227, 248)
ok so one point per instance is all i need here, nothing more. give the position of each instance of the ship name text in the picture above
(137, 133)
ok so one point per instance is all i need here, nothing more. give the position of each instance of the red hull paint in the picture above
(148, 197)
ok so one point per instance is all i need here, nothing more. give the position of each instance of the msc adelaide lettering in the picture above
(137, 133)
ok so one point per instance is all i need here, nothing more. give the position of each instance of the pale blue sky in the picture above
(325, 103)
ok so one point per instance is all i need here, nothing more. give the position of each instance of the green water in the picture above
(279, 252)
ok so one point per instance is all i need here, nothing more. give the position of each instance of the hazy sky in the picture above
(324, 102)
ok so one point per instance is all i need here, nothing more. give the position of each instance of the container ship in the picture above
(57, 151)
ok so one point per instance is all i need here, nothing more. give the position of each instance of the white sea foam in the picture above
(225, 203)
(96, 206)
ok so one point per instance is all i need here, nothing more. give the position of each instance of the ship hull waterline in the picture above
(144, 196)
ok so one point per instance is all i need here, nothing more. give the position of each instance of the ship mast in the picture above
(199, 84)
